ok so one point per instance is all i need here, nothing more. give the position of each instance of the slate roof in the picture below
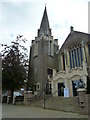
(74, 38)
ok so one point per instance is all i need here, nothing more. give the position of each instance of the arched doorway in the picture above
(75, 87)
(61, 87)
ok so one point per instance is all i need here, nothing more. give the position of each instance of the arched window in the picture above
(50, 48)
(70, 59)
(75, 57)
(78, 57)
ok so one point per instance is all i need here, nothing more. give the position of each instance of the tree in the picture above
(14, 65)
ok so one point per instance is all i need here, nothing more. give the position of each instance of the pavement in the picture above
(0, 111)
(22, 111)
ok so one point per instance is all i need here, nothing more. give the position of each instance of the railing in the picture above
(45, 97)
(50, 95)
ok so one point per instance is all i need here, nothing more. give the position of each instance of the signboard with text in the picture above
(66, 92)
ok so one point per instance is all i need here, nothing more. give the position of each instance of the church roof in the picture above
(74, 38)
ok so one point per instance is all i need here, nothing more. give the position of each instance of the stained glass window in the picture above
(78, 57)
(70, 59)
(75, 58)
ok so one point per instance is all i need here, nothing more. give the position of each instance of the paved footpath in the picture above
(21, 111)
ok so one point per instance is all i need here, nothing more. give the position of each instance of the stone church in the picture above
(74, 63)
(51, 69)
(43, 53)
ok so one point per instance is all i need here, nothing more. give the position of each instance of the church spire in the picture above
(44, 27)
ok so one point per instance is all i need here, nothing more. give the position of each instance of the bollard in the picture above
(14, 100)
(7, 99)
(44, 103)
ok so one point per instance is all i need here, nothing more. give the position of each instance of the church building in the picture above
(74, 63)
(50, 69)
(42, 60)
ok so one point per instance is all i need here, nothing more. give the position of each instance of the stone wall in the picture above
(27, 95)
(84, 100)
(71, 104)
(86, 109)
(39, 64)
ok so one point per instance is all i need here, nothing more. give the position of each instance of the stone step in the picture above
(59, 103)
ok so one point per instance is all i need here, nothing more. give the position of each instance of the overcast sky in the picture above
(24, 17)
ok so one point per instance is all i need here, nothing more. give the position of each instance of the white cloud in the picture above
(24, 17)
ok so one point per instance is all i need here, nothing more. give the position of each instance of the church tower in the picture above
(42, 57)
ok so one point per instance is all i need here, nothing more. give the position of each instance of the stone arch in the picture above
(76, 76)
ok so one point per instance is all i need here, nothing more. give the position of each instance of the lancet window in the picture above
(75, 56)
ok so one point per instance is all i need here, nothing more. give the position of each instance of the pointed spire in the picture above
(44, 22)
(44, 27)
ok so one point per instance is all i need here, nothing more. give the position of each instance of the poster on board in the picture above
(66, 92)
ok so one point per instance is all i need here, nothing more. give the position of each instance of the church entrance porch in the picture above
(61, 87)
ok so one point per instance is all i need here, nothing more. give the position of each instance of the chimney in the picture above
(71, 28)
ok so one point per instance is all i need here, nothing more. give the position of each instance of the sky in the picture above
(24, 17)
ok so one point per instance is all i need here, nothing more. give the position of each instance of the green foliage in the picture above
(14, 65)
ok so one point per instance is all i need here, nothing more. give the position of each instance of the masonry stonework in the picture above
(42, 57)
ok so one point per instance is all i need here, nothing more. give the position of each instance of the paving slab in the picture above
(22, 111)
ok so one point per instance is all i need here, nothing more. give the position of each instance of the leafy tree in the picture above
(14, 65)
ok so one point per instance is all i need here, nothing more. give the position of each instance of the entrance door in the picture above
(75, 86)
(48, 88)
(34, 87)
(61, 87)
